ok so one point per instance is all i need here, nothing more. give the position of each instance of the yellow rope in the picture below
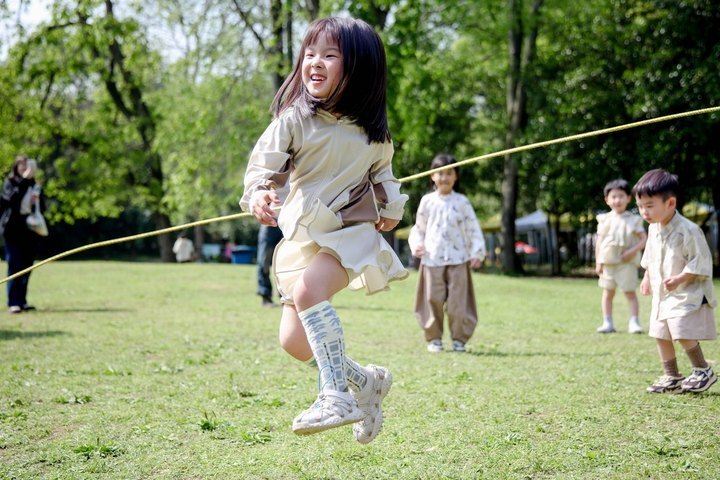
(426, 173)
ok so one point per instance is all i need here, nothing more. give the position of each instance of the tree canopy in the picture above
(153, 107)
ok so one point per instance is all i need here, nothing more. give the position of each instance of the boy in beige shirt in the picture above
(620, 238)
(678, 273)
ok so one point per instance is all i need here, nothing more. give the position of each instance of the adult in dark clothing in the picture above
(18, 195)
(268, 238)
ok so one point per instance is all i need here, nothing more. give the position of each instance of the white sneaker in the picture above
(369, 400)
(435, 346)
(331, 409)
(606, 328)
(634, 327)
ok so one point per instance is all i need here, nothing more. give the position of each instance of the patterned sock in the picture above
(697, 359)
(325, 335)
(354, 373)
(671, 368)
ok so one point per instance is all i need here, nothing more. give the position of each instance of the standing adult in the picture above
(268, 238)
(18, 196)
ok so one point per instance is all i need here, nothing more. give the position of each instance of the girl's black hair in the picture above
(442, 159)
(657, 182)
(361, 93)
(15, 172)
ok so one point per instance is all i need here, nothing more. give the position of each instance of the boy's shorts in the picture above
(697, 325)
(621, 275)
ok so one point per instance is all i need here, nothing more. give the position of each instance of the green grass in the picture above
(149, 371)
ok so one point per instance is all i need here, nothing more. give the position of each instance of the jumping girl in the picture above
(330, 141)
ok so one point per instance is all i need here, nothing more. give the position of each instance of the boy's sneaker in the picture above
(666, 384)
(699, 380)
(435, 346)
(634, 327)
(369, 400)
(458, 346)
(606, 328)
(331, 409)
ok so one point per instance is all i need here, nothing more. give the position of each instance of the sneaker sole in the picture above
(307, 429)
(384, 390)
(667, 390)
(701, 389)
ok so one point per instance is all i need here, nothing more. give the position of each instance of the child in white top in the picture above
(448, 239)
(330, 140)
(620, 238)
(678, 273)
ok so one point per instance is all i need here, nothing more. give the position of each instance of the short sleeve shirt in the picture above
(680, 246)
(617, 233)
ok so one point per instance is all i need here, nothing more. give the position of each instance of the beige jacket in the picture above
(326, 160)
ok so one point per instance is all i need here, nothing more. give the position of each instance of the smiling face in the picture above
(654, 209)
(322, 67)
(444, 181)
(617, 200)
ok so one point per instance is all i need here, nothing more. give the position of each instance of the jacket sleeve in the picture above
(270, 162)
(386, 186)
(473, 232)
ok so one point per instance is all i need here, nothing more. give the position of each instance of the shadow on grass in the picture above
(495, 353)
(15, 334)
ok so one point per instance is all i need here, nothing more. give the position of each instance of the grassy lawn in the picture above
(143, 371)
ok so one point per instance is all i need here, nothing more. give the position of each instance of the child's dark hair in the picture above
(617, 184)
(442, 159)
(361, 93)
(657, 182)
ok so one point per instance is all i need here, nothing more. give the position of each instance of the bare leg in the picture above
(607, 302)
(634, 323)
(666, 349)
(292, 335)
(633, 303)
(322, 279)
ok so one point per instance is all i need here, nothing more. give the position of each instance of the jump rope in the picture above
(425, 173)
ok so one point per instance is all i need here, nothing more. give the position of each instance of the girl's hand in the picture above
(475, 263)
(260, 206)
(419, 251)
(598, 268)
(386, 224)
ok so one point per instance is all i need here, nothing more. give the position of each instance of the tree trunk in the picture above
(521, 51)
(556, 265)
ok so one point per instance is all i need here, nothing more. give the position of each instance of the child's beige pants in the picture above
(449, 286)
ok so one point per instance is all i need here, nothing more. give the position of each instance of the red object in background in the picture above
(522, 247)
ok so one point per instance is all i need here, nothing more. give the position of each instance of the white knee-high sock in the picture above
(354, 374)
(325, 335)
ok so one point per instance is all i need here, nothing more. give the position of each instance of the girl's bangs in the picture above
(322, 27)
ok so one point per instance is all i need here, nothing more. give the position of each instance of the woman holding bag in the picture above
(19, 195)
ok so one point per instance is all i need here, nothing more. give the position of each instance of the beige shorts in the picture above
(698, 325)
(622, 275)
